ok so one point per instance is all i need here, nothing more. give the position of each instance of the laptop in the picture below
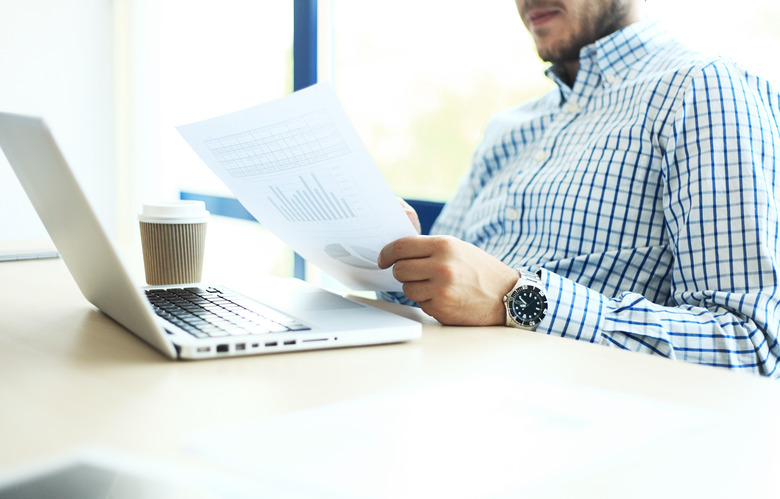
(286, 315)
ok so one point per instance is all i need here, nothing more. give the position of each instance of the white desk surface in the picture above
(70, 377)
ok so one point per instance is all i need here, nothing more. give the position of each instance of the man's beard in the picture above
(590, 25)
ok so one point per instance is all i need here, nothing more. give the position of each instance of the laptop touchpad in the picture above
(323, 300)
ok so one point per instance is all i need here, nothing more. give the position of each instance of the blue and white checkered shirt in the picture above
(647, 194)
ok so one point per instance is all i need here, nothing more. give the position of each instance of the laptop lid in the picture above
(105, 281)
(74, 228)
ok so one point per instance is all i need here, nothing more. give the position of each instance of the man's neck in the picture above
(569, 71)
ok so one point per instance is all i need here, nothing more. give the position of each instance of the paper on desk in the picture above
(298, 166)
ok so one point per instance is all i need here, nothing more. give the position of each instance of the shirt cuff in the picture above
(395, 297)
(573, 310)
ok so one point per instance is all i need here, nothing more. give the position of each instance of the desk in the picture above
(71, 377)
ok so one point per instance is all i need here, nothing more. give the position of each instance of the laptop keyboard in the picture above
(210, 312)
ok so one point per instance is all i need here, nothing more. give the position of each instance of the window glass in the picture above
(214, 58)
(420, 79)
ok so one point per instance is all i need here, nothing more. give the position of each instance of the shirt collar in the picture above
(611, 57)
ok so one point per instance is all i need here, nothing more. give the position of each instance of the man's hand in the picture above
(453, 281)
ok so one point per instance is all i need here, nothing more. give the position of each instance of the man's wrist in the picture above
(508, 282)
(526, 303)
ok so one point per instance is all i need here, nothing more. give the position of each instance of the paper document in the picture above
(298, 166)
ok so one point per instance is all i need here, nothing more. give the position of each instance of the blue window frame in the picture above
(304, 70)
(304, 43)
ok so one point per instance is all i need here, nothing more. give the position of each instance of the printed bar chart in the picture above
(310, 201)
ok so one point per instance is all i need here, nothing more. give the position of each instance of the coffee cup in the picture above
(173, 239)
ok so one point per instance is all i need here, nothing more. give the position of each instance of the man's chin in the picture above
(560, 56)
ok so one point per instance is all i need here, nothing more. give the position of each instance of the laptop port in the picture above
(289, 342)
(271, 344)
(223, 348)
(204, 349)
(240, 346)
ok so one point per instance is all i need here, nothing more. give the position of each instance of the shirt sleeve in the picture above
(720, 207)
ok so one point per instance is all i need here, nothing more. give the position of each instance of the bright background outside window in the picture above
(214, 58)
(420, 79)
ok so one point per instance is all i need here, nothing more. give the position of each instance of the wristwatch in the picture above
(526, 303)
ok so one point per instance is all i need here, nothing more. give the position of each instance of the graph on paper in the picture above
(285, 145)
(308, 199)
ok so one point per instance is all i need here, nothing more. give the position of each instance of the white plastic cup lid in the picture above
(174, 212)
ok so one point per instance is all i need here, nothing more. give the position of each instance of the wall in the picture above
(56, 62)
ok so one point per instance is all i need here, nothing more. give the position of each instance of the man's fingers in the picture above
(411, 270)
(403, 249)
(421, 291)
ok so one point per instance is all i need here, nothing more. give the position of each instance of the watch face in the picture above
(527, 306)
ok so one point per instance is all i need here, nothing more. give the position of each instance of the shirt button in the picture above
(541, 156)
(512, 214)
(610, 78)
(573, 107)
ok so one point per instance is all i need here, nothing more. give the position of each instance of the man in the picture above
(634, 206)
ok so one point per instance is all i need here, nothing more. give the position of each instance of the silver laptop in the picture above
(289, 315)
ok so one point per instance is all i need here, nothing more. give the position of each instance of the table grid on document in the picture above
(295, 143)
